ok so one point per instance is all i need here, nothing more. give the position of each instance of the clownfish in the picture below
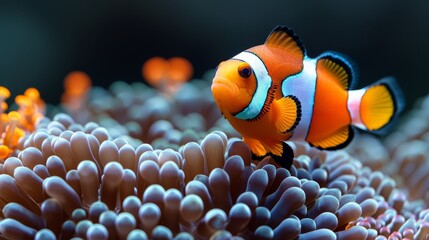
(274, 92)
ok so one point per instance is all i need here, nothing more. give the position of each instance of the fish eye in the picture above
(244, 70)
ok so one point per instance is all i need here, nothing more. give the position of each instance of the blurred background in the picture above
(40, 42)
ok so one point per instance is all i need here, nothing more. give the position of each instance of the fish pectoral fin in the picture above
(256, 147)
(282, 153)
(286, 113)
(335, 66)
(338, 140)
(284, 38)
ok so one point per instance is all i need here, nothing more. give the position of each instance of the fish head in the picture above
(233, 86)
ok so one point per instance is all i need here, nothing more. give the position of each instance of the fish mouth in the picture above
(220, 81)
(224, 92)
(224, 87)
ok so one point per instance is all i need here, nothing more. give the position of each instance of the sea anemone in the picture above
(403, 154)
(144, 166)
(143, 113)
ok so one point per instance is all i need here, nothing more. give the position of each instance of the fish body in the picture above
(274, 92)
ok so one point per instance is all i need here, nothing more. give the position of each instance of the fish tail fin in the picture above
(374, 107)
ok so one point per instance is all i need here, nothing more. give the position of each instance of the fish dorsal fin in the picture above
(338, 140)
(284, 38)
(337, 67)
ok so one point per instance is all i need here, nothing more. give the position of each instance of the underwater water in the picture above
(106, 159)
(138, 162)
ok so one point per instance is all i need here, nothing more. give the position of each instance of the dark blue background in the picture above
(41, 42)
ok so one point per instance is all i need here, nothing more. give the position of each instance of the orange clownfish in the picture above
(274, 93)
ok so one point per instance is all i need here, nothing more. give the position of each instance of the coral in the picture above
(76, 87)
(167, 75)
(15, 124)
